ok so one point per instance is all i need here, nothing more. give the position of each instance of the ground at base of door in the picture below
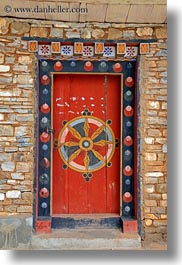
(86, 239)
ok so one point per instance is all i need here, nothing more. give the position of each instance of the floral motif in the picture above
(131, 52)
(67, 50)
(109, 51)
(44, 49)
(88, 51)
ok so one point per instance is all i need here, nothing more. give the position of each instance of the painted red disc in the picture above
(128, 141)
(45, 137)
(127, 197)
(129, 82)
(128, 111)
(88, 66)
(45, 80)
(128, 171)
(117, 67)
(44, 193)
(58, 66)
(45, 108)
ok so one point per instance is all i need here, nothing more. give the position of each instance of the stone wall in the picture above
(153, 122)
(17, 112)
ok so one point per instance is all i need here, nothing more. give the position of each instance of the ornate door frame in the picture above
(47, 67)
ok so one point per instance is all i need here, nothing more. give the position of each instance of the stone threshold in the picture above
(86, 239)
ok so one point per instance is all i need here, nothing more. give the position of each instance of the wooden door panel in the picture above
(98, 97)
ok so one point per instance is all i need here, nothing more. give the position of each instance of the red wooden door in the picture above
(86, 153)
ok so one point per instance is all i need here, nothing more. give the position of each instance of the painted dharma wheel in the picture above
(86, 144)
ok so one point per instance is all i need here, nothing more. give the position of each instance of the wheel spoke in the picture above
(70, 144)
(102, 143)
(97, 132)
(74, 155)
(86, 127)
(86, 161)
(99, 156)
(74, 132)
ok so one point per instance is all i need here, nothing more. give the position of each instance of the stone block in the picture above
(4, 68)
(22, 131)
(164, 148)
(146, 31)
(2, 196)
(25, 59)
(128, 34)
(163, 74)
(149, 140)
(13, 194)
(10, 208)
(98, 33)
(20, 68)
(8, 166)
(155, 196)
(164, 105)
(164, 196)
(17, 176)
(162, 188)
(163, 203)
(19, 28)
(56, 33)
(161, 33)
(72, 34)
(163, 80)
(39, 32)
(4, 26)
(150, 156)
(154, 105)
(11, 149)
(5, 80)
(24, 209)
(85, 33)
(25, 79)
(11, 182)
(158, 209)
(149, 188)
(161, 53)
(5, 157)
(22, 167)
(154, 132)
(24, 117)
(1, 58)
(163, 216)
(9, 60)
(159, 222)
(150, 203)
(27, 196)
(148, 222)
(114, 34)
(151, 216)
